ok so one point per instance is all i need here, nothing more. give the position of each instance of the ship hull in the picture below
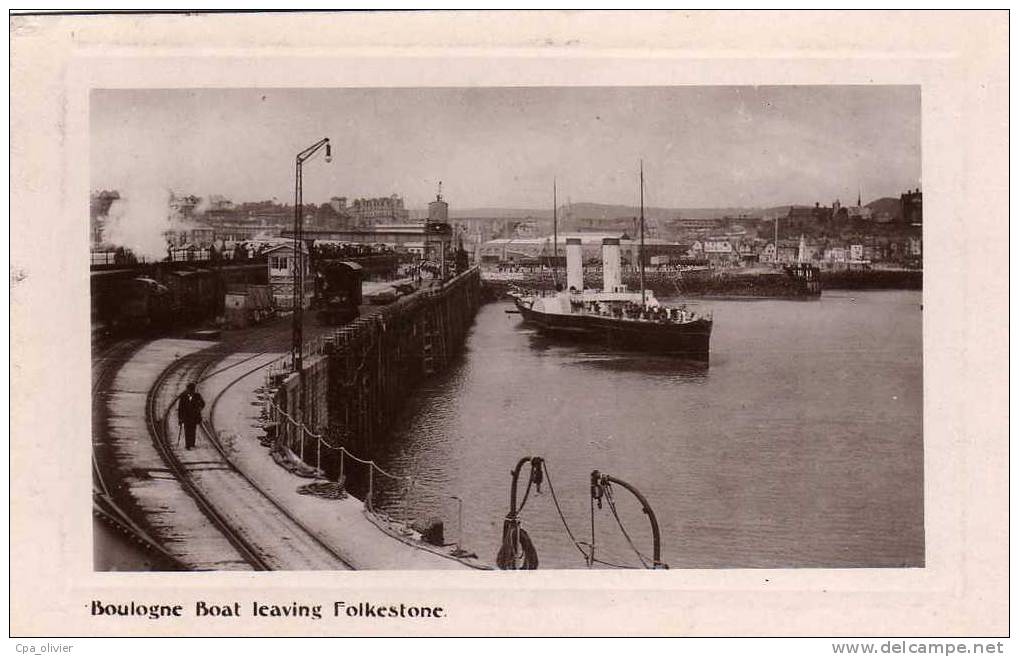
(689, 340)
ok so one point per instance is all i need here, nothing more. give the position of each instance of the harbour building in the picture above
(368, 212)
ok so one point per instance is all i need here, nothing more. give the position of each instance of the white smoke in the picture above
(204, 205)
(139, 220)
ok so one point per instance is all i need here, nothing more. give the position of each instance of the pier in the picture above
(356, 379)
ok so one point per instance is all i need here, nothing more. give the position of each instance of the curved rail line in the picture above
(214, 439)
(101, 375)
(213, 434)
(288, 525)
(210, 353)
(104, 367)
(157, 428)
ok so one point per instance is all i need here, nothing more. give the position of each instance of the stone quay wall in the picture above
(376, 361)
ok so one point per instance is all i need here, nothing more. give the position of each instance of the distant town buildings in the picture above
(191, 233)
(885, 231)
(367, 212)
(800, 218)
(339, 205)
(540, 250)
(527, 229)
(183, 207)
(715, 251)
(915, 247)
(836, 254)
(912, 206)
(438, 210)
(787, 251)
(431, 239)
(682, 224)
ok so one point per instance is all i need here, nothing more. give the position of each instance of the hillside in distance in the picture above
(607, 212)
(892, 206)
(600, 211)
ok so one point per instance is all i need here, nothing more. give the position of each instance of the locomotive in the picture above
(337, 291)
(153, 298)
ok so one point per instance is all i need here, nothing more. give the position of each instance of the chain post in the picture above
(371, 486)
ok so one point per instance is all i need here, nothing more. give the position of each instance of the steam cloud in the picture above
(140, 219)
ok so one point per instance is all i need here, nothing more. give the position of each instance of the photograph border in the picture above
(964, 81)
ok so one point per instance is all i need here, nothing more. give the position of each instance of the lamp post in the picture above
(297, 344)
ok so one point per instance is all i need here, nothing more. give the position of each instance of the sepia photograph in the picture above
(564, 323)
(507, 328)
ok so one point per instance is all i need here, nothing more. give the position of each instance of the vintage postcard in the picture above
(501, 324)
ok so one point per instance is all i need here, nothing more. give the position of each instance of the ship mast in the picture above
(555, 232)
(643, 294)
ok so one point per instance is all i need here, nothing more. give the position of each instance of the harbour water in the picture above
(799, 446)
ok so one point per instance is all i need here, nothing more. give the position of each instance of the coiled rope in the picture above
(517, 550)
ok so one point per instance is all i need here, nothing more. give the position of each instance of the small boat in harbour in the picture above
(615, 315)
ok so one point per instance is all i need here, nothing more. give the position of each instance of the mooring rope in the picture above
(569, 532)
(588, 554)
(612, 506)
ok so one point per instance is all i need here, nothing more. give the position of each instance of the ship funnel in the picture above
(610, 262)
(574, 264)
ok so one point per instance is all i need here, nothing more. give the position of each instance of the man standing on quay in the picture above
(189, 413)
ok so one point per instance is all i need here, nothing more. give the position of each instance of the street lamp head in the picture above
(329, 152)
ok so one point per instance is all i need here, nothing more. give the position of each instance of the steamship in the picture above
(615, 315)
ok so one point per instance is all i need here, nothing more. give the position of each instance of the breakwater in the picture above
(370, 366)
(695, 283)
(873, 279)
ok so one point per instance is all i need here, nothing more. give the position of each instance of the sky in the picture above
(702, 146)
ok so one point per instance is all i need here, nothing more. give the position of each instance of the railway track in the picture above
(104, 366)
(105, 507)
(261, 530)
(213, 435)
